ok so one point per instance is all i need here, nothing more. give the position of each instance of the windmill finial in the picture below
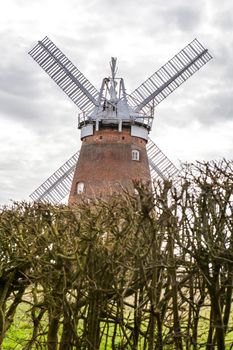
(113, 94)
(113, 67)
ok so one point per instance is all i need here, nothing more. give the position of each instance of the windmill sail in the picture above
(169, 77)
(160, 166)
(65, 74)
(58, 185)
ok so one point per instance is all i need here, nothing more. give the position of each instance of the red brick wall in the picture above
(105, 164)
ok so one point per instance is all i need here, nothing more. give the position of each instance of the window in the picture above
(135, 154)
(80, 187)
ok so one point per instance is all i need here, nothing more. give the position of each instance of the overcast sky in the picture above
(38, 122)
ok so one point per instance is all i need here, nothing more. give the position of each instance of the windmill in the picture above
(114, 126)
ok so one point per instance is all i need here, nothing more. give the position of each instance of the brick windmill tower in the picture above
(114, 126)
(113, 151)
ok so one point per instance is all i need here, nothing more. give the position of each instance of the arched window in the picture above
(135, 155)
(80, 187)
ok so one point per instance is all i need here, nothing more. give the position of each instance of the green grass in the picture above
(21, 330)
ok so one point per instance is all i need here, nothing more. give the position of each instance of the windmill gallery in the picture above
(116, 149)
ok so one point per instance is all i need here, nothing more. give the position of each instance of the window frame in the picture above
(135, 155)
(80, 187)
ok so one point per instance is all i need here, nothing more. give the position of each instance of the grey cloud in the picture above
(212, 108)
(113, 18)
(183, 109)
(35, 115)
(223, 18)
(18, 81)
(222, 69)
(173, 18)
(185, 17)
